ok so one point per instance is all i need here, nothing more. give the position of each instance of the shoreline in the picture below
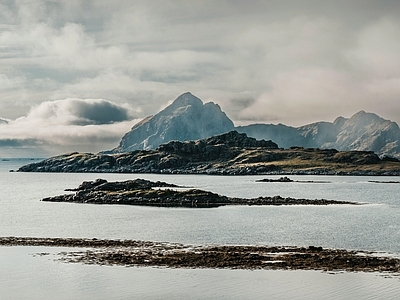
(136, 253)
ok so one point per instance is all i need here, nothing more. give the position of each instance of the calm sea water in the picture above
(375, 226)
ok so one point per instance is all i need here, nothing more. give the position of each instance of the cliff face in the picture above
(187, 118)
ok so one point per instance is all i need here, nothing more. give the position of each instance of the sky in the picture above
(75, 75)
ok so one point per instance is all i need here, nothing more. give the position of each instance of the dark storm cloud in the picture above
(80, 112)
(98, 112)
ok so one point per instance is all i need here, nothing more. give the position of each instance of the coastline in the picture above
(227, 154)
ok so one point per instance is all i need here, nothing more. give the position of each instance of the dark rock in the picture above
(281, 179)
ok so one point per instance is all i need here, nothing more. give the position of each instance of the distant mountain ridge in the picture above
(187, 118)
(362, 132)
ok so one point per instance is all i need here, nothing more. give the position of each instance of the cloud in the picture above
(377, 49)
(78, 112)
(304, 96)
(69, 125)
(3, 121)
(68, 47)
(22, 148)
(290, 61)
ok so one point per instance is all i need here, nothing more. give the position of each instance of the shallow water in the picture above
(34, 276)
(375, 226)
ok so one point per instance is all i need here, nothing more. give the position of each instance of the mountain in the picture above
(3, 121)
(285, 136)
(363, 132)
(187, 118)
(367, 131)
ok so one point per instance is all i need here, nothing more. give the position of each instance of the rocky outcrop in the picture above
(280, 179)
(227, 154)
(147, 193)
(187, 118)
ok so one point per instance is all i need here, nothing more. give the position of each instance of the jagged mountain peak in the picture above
(339, 121)
(363, 118)
(365, 122)
(184, 100)
(187, 118)
(368, 131)
(363, 131)
(187, 98)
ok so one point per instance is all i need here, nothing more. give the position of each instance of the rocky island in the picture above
(149, 193)
(230, 153)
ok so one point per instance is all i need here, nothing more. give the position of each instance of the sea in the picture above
(37, 272)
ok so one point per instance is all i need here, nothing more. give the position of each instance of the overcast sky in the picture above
(76, 75)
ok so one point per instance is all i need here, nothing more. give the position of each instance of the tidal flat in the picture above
(174, 255)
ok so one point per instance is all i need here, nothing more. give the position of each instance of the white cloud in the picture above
(71, 125)
(377, 49)
(69, 47)
(268, 61)
(9, 83)
(304, 96)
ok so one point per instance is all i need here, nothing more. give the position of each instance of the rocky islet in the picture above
(148, 193)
